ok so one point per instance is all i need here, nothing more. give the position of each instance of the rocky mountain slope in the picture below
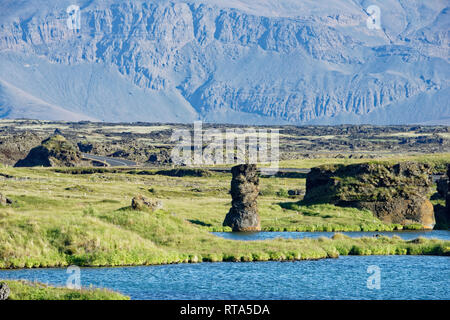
(238, 61)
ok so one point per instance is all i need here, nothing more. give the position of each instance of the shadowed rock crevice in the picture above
(243, 215)
(442, 212)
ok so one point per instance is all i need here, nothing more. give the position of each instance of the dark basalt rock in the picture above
(4, 200)
(442, 186)
(163, 157)
(243, 215)
(394, 193)
(120, 154)
(447, 199)
(85, 147)
(296, 192)
(442, 213)
(58, 132)
(55, 151)
(4, 291)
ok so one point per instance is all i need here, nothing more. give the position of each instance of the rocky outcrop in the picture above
(142, 203)
(4, 291)
(243, 215)
(15, 144)
(58, 132)
(163, 157)
(296, 192)
(120, 154)
(55, 151)
(447, 199)
(86, 147)
(394, 193)
(4, 200)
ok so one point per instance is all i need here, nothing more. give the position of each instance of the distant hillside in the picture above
(237, 61)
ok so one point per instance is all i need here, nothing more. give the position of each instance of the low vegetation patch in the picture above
(26, 290)
(185, 173)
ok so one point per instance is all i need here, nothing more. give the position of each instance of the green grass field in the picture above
(59, 219)
(438, 159)
(25, 290)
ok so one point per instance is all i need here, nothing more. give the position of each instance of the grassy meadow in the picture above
(59, 218)
(26, 290)
(436, 159)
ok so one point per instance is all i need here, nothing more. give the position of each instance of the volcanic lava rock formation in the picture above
(394, 193)
(447, 199)
(55, 151)
(243, 215)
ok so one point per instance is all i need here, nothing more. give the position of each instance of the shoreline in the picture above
(24, 288)
(214, 262)
(324, 229)
(283, 258)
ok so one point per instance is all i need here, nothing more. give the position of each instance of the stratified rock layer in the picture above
(394, 193)
(243, 215)
(240, 61)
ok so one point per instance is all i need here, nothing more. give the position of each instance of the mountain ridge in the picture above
(245, 61)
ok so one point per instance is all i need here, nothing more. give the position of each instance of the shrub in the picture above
(282, 193)
(267, 191)
(261, 256)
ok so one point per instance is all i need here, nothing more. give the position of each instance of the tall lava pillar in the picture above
(243, 215)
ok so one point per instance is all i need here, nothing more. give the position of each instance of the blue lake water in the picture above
(406, 235)
(401, 277)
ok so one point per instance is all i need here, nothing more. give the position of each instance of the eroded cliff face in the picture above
(393, 193)
(293, 63)
(447, 198)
